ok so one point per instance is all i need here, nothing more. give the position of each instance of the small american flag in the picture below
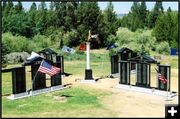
(162, 78)
(48, 69)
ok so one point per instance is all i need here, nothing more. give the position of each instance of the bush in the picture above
(69, 38)
(135, 40)
(113, 51)
(15, 43)
(17, 57)
(41, 40)
(111, 39)
(163, 48)
(124, 36)
(4, 51)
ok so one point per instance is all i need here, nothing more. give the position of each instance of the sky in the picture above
(120, 7)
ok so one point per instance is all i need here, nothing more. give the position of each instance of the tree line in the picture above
(71, 18)
(68, 23)
(163, 23)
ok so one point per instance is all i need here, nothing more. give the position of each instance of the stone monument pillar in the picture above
(165, 70)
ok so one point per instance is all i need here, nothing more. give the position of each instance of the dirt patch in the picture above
(62, 99)
(126, 103)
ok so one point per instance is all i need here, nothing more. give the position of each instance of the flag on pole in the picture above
(82, 46)
(48, 69)
(33, 56)
(161, 77)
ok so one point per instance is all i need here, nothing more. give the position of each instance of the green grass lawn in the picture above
(82, 102)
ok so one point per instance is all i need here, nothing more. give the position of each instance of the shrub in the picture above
(163, 48)
(111, 39)
(16, 57)
(135, 40)
(123, 36)
(69, 38)
(4, 51)
(15, 43)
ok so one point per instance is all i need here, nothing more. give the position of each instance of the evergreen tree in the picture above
(41, 24)
(155, 13)
(19, 7)
(88, 19)
(42, 6)
(33, 7)
(169, 10)
(135, 21)
(60, 9)
(52, 6)
(166, 28)
(9, 8)
(110, 19)
(32, 18)
(4, 5)
(143, 14)
(70, 16)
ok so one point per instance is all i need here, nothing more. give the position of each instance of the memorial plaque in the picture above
(40, 80)
(18, 80)
(124, 72)
(56, 80)
(143, 74)
(114, 64)
(165, 71)
(60, 63)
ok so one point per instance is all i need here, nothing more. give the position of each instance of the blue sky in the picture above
(120, 7)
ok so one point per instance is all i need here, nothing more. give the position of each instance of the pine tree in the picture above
(155, 13)
(143, 14)
(110, 19)
(32, 17)
(166, 28)
(9, 8)
(52, 6)
(4, 5)
(42, 6)
(19, 7)
(135, 19)
(33, 7)
(88, 19)
(169, 10)
(41, 24)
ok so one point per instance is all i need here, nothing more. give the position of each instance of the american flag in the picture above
(48, 69)
(161, 77)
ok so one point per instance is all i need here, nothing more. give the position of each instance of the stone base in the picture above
(146, 90)
(59, 87)
(88, 81)
(88, 74)
(40, 91)
(35, 92)
(18, 96)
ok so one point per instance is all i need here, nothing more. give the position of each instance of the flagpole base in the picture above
(88, 74)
